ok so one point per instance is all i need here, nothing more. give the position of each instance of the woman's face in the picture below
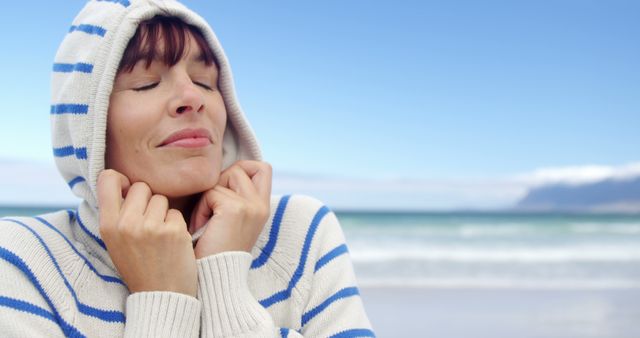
(165, 125)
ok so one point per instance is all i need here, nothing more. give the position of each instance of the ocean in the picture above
(493, 250)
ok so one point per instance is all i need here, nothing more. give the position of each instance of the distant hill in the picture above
(604, 196)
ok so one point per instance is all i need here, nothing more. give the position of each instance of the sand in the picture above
(496, 313)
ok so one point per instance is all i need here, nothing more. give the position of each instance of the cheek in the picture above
(115, 140)
(117, 130)
(123, 134)
(219, 117)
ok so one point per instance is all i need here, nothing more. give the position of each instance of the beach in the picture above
(501, 313)
(484, 275)
(461, 275)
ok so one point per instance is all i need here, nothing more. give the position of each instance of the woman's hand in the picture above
(234, 211)
(148, 243)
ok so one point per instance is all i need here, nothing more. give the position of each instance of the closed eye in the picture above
(147, 87)
(203, 85)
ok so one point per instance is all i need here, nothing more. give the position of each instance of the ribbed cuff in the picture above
(162, 314)
(229, 308)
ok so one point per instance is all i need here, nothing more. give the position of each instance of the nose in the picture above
(188, 99)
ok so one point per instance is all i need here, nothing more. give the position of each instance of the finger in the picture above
(137, 199)
(238, 181)
(174, 218)
(111, 187)
(225, 174)
(157, 208)
(261, 175)
(203, 211)
(225, 192)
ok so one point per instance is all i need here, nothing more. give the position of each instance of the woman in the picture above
(177, 235)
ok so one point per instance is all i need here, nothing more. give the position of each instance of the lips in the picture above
(188, 138)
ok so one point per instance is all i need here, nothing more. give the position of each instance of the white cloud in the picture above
(577, 175)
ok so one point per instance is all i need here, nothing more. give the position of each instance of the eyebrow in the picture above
(158, 57)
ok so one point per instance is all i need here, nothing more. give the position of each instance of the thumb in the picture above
(112, 186)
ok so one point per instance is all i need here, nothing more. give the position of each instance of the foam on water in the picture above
(494, 250)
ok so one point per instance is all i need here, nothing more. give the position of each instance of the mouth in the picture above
(188, 138)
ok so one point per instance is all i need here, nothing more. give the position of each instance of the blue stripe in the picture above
(109, 279)
(69, 108)
(20, 264)
(26, 307)
(284, 332)
(124, 3)
(273, 234)
(89, 29)
(72, 67)
(344, 293)
(354, 333)
(339, 250)
(80, 153)
(71, 215)
(286, 293)
(90, 234)
(75, 181)
(105, 315)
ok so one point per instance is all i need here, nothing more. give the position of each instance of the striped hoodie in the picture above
(56, 276)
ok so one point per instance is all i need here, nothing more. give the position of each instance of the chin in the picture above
(177, 186)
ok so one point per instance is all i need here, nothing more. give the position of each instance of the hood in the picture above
(83, 74)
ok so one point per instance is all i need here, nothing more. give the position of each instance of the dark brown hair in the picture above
(144, 45)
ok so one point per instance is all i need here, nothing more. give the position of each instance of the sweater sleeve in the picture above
(162, 314)
(228, 307)
(35, 303)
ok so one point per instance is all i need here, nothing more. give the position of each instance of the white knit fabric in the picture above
(57, 278)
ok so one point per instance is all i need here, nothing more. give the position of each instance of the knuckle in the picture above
(175, 216)
(149, 225)
(105, 176)
(160, 198)
(140, 186)
(129, 226)
(107, 173)
(263, 212)
(128, 231)
(237, 208)
(170, 232)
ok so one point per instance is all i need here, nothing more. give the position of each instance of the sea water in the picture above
(503, 250)
(500, 250)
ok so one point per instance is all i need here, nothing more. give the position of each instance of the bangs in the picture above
(169, 32)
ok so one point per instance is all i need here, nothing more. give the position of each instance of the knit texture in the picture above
(57, 276)
(296, 282)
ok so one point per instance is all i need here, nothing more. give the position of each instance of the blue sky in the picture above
(402, 90)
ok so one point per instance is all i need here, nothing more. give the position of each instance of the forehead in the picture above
(167, 40)
(160, 52)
